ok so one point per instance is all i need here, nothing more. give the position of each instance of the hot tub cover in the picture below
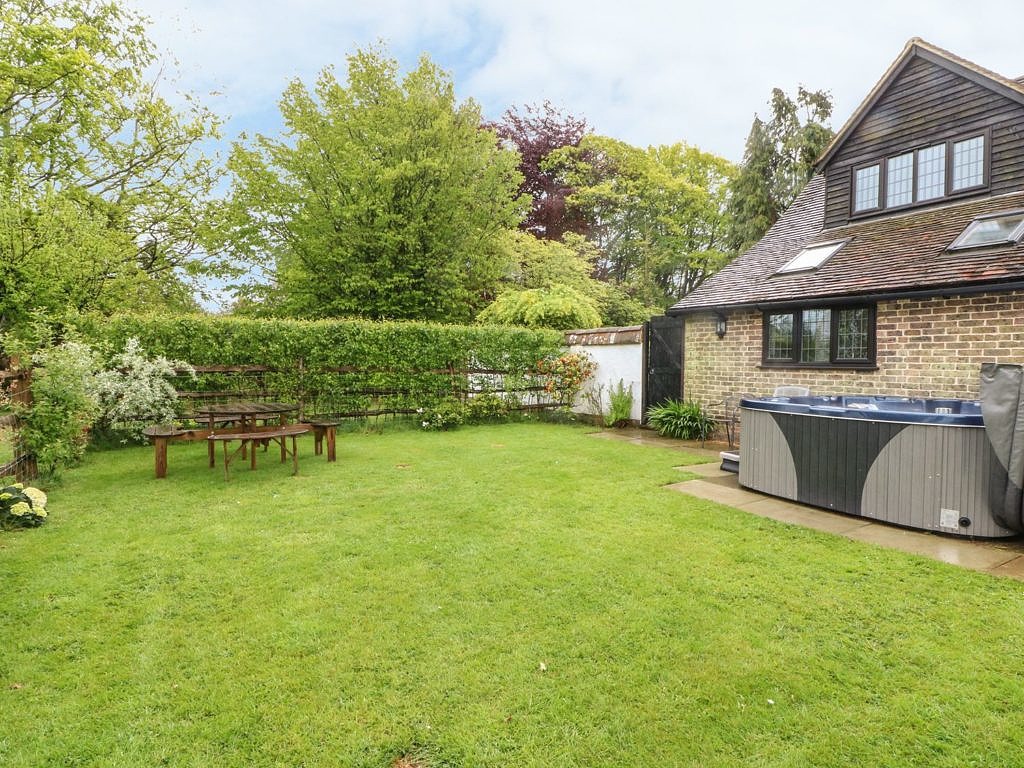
(1002, 409)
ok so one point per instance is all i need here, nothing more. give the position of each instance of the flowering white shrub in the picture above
(135, 391)
(21, 507)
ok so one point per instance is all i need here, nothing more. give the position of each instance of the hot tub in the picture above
(919, 463)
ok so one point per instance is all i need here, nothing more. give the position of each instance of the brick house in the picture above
(899, 268)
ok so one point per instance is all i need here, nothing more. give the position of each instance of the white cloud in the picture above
(645, 71)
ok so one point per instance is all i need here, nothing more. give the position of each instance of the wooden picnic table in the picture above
(245, 414)
(237, 421)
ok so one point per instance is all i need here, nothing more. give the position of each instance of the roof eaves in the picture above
(943, 290)
(1005, 86)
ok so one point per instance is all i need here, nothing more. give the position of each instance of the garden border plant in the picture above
(683, 420)
(620, 405)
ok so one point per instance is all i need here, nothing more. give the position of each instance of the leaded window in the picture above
(945, 169)
(899, 188)
(852, 334)
(866, 188)
(780, 337)
(968, 163)
(931, 172)
(815, 331)
(820, 337)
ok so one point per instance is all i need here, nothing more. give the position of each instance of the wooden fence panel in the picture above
(17, 385)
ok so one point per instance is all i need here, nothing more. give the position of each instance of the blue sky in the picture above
(642, 71)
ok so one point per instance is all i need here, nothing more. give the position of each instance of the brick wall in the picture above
(925, 347)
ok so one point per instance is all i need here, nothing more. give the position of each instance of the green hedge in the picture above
(206, 340)
(394, 358)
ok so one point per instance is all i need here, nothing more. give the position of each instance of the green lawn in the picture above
(496, 596)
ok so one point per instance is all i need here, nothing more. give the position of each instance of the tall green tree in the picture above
(385, 199)
(657, 215)
(104, 194)
(778, 160)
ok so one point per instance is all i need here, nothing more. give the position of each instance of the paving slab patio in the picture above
(999, 558)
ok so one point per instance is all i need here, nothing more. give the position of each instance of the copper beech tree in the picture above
(535, 132)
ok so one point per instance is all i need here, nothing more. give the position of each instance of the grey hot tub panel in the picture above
(913, 467)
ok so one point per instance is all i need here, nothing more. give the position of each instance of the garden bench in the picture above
(245, 415)
(324, 428)
(159, 436)
(279, 434)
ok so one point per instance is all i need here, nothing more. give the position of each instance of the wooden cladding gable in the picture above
(927, 104)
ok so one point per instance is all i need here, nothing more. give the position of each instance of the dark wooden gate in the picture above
(663, 361)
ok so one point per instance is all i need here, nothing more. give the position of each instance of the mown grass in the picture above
(517, 595)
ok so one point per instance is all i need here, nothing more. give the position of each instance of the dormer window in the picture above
(996, 229)
(922, 175)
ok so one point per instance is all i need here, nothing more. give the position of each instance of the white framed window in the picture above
(812, 257)
(995, 229)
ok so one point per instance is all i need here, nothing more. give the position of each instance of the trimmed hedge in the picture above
(397, 362)
(399, 346)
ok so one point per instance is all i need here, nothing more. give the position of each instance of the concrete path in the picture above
(999, 558)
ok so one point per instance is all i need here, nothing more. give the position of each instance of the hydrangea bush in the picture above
(21, 507)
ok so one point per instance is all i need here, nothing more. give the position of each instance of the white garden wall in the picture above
(618, 353)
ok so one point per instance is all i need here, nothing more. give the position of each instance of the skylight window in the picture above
(996, 229)
(813, 256)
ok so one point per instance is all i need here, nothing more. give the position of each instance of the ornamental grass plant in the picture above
(682, 420)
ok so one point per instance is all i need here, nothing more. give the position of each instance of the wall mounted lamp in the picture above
(721, 325)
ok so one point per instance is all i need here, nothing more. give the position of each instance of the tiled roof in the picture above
(896, 253)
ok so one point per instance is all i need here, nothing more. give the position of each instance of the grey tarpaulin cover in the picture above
(1002, 409)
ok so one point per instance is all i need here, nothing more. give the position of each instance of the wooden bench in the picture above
(159, 436)
(324, 428)
(279, 435)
